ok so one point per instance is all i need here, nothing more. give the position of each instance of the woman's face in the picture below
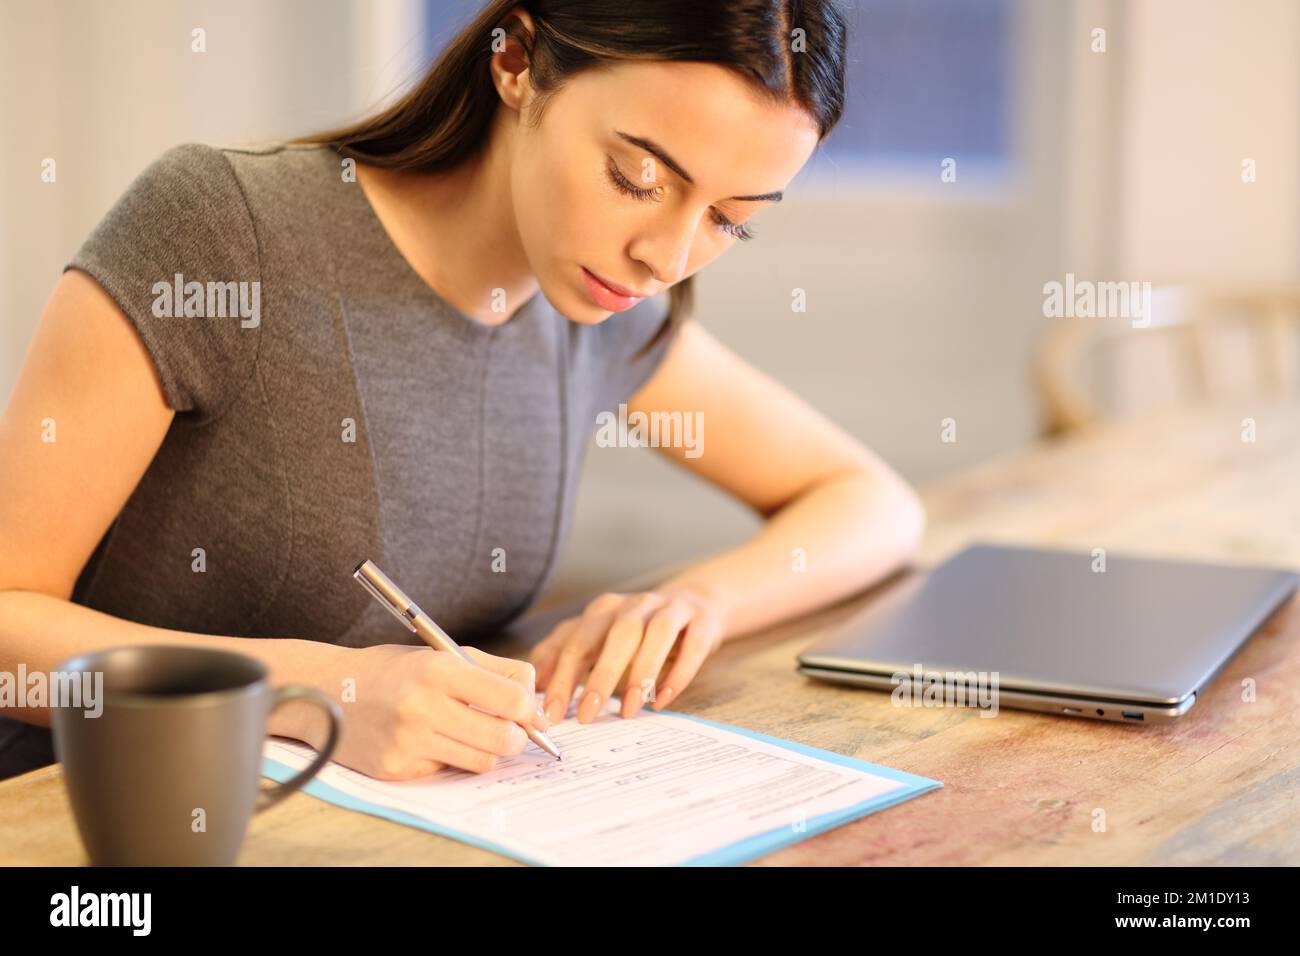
(593, 200)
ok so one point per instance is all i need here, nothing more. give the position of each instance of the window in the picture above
(927, 79)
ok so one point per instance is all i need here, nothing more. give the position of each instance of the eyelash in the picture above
(620, 182)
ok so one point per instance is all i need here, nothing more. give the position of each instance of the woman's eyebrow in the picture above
(662, 155)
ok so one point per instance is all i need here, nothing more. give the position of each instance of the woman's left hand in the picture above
(639, 633)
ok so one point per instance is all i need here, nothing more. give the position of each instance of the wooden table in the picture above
(1217, 787)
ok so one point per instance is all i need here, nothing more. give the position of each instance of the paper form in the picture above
(661, 788)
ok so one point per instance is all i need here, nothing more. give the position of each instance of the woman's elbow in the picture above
(909, 523)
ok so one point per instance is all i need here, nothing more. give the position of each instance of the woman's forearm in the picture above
(834, 540)
(40, 632)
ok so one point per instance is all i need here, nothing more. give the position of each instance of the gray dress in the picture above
(340, 410)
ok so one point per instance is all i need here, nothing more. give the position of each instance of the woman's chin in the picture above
(592, 316)
(577, 307)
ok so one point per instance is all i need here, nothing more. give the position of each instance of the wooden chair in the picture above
(1202, 344)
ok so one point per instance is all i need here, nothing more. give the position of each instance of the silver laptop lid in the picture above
(1046, 621)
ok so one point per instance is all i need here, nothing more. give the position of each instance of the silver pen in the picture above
(408, 612)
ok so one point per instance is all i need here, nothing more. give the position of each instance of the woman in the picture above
(393, 341)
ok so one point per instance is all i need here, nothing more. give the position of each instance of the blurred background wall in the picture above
(1113, 155)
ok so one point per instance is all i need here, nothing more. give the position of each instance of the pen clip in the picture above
(383, 599)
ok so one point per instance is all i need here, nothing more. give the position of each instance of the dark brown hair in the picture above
(792, 49)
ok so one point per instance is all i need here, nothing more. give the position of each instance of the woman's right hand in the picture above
(411, 711)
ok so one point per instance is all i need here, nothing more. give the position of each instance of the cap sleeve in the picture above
(183, 226)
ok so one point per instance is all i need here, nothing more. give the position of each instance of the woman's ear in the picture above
(509, 64)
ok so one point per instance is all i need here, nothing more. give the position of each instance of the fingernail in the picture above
(591, 704)
(632, 702)
(543, 717)
(552, 707)
(663, 697)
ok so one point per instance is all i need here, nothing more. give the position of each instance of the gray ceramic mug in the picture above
(168, 773)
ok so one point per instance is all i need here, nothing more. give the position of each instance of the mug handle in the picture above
(282, 695)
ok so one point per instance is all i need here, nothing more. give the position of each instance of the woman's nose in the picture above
(665, 248)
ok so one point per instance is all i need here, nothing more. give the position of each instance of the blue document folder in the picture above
(911, 785)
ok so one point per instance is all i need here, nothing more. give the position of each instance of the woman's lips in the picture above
(612, 297)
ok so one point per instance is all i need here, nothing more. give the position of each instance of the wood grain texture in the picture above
(1217, 787)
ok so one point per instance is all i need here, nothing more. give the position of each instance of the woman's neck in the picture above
(457, 230)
